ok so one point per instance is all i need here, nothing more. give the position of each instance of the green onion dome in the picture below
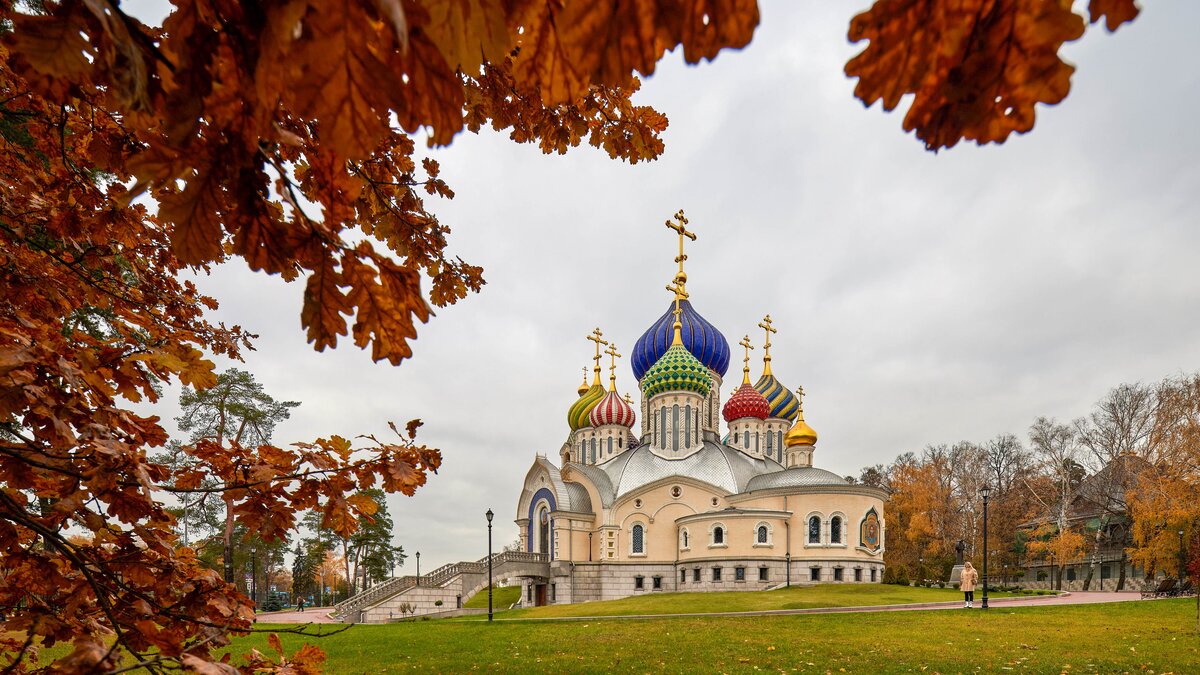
(676, 370)
(577, 416)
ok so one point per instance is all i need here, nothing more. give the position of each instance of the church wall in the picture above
(656, 509)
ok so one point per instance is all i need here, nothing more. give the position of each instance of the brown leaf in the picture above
(412, 427)
(324, 305)
(195, 214)
(54, 43)
(1116, 12)
(468, 32)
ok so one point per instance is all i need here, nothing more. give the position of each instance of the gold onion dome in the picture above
(676, 370)
(577, 416)
(583, 386)
(800, 433)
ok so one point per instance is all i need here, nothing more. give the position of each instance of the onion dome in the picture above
(677, 370)
(800, 433)
(783, 402)
(577, 416)
(612, 409)
(746, 402)
(699, 336)
(583, 386)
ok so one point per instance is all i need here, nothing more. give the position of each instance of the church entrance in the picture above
(539, 595)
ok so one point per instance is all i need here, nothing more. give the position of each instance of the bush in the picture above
(889, 575)
(901, 577)
(437, 603)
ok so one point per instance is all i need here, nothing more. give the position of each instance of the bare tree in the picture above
(1122, 423)
(1056, 449)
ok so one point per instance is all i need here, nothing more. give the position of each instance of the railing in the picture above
(435, 578)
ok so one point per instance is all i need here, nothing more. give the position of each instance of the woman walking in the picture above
(967, 584)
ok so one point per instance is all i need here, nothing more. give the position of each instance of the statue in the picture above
(958, 549)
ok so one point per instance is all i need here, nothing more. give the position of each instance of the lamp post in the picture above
(986, 492)
(418, 568)
(1182, 559)
(489, 515)
(1052, 571)
(254, 575)
(789, 569)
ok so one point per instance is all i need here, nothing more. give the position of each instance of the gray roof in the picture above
(715, 464)
(578, 496)
(797, 476)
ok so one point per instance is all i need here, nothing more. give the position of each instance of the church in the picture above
(653, 498)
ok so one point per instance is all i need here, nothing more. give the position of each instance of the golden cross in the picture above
(800, 399)
(612, 366)
(746, 361)
(680, 226)
(598, 338)
(766, 325)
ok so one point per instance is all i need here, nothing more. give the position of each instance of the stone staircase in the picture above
(445, 585)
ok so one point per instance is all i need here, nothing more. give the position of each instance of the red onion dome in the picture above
(612, 409)
(746, 402)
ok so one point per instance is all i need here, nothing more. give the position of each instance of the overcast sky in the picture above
(919, 298)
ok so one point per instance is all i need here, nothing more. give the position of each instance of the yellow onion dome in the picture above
(676, 370)
(577, 416)
(800, 433)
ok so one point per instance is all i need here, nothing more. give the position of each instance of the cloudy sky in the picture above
(919, 298)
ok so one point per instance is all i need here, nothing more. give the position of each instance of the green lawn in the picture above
(502, 598)
(1151, 636)
(796, 597)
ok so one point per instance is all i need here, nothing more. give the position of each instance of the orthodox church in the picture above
(671, 504)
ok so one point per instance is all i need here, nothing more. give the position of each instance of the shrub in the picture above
(901, 577)
(437, 603)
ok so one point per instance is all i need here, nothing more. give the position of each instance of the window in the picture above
(858, 574)
(683, 576)
(683, 539)
(746, 440)
(716, 574)
(675, 427)
(835, 530)
(762, 574)
(1105, 571)
(610, 445)
(696, 575)
(761, 537)
(639, 583)
(553, 593)
(814, 573)
(620, 442)
(837, 574)
(592, 444)
(543, 530)
(656, 583)
(718, 535)
(873, 571)
(739, 574)
(770, 442)
(639, 540)
(662, 427)
(814, 530)
(1070, 574)
(529, 594)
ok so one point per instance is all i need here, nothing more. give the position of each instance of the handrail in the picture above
(436, 578)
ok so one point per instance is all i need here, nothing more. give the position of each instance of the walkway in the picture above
(321, 615)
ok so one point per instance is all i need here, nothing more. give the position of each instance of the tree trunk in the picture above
(227, 540)
(1121, 574)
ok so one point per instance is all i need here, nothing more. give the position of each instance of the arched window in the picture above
(593, 447)
(770, 442)
(543, 530)
(639, 539)
(610, 445)
(756, 443)
(779, 442)
(662, 427)
(762, 534)
(718, 535)
(696, 429)
(683, 538)
(675, 427)
(835, 530)
(687, 426)
(620, 441)
(814, 530)
(746, 440)
(735, 438)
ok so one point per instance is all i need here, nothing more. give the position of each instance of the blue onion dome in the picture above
(676, 370)
(577, 416)
(700, 337)
(784, 404)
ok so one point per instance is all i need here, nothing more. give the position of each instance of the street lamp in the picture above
(418, 568)
(1182, 563)
(788, 572)
(986, 492)
(1052, 571)
(489, 515)
(254, 575)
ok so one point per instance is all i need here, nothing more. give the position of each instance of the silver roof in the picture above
(715, 464)
(797, 476)
(578, 496)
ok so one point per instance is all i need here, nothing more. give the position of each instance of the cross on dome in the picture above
(746, 361)
(766, 326)
(612, 366)
(679, 285)
(598, 338)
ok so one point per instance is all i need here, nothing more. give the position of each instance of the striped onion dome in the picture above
(700, 337)
(746, 402)
(784, 403)
(612, 409)
(676, 370)
(577, 416)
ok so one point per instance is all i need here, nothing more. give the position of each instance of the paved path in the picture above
(309, 615)
(321, 614)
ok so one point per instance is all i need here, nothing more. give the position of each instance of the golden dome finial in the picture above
(598, 338)
(678, 223)
(800, 433)
(583, 386)
(612, 366)
(746, 361)
(766, 326)
(629, 399)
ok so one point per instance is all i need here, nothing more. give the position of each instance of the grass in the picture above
(1151, 636)
(502, 598)
(796, 597)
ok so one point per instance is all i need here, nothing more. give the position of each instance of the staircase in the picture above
(449, 578)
